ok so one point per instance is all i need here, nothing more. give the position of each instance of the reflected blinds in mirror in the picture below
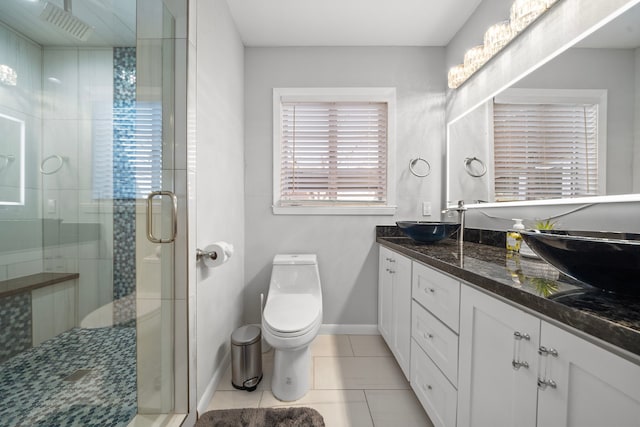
(545, 151)
(333, 153)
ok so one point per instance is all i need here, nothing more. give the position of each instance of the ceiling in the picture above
(350, 22)
(266, 22)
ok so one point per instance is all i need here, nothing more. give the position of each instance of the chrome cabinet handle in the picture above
(544, 366)
(174, 216)
(516, 363)
(543, 351)
(543, 384)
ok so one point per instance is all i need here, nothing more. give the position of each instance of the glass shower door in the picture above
(160, 234)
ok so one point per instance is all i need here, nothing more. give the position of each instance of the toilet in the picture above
(291, 319)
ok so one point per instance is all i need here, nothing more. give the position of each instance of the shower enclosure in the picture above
(92, 288)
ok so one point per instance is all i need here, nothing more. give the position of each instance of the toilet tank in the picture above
(297, 259)
(295, 274)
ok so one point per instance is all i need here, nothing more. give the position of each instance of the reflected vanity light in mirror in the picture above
(8, 75)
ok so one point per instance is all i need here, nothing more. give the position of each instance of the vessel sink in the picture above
(427, 232)
(609, 261)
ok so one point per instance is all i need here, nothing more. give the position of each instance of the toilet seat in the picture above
(290, 315)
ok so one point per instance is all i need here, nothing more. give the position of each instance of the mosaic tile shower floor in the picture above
(33, 390)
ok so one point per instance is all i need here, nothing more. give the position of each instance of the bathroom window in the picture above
(127, 151)
(548, 144)
(333, 151)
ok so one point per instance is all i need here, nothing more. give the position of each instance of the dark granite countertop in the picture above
(529, 282)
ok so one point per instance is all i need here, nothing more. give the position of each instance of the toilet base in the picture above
(291, 373)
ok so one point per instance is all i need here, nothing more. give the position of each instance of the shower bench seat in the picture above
(33, 281)
(35, 308)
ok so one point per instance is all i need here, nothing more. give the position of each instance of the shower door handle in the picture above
(174, 216)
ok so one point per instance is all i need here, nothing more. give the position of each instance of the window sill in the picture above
(334, 210)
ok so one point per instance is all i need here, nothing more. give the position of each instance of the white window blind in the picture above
(545, 151)
(333, 153)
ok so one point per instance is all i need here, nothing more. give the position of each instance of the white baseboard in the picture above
(329, 329)
(213, 385)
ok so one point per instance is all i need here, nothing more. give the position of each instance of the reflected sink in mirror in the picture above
(427, 232)
(609, 261)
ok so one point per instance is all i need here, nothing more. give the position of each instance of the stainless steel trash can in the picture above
(246, 357)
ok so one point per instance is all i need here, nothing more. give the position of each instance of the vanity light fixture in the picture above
(522, 14)
(8, 75)
(475, 58)
(498, 36)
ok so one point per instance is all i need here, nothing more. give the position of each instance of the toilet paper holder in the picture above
(213, 255)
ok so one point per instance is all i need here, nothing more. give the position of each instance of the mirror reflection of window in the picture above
(546, 150)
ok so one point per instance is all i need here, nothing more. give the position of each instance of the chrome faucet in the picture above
(461, 209)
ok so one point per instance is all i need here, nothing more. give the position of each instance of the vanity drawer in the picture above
(439, 342)
(435, 393)
(438, 293)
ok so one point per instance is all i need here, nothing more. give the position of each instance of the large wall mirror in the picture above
(567, 130)
(12, 140)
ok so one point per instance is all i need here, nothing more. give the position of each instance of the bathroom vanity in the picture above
(499, 339)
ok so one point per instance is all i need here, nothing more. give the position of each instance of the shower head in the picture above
(65, 21)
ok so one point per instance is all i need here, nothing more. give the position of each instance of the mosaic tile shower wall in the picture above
(124, 186)
(15, 318)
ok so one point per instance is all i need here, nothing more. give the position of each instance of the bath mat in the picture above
(261, 417)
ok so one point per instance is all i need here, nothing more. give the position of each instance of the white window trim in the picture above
(565, 96)
(373, 94)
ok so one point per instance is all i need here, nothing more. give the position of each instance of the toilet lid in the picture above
(291, 312)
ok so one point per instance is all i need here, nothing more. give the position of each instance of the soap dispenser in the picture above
(514, 239)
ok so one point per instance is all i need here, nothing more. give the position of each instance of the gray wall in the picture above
(219, 170)
(345, 245)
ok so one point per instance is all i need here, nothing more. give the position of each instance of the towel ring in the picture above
(414, 162)
(5, 159)
(467, 166)
(54, 170)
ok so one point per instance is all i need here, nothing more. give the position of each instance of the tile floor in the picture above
(35, 390)
(355, 381)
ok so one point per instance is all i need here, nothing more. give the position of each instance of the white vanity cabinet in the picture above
(434, 347)
(517, 370)
(495, 336)
(394, 305)
(584, 385)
